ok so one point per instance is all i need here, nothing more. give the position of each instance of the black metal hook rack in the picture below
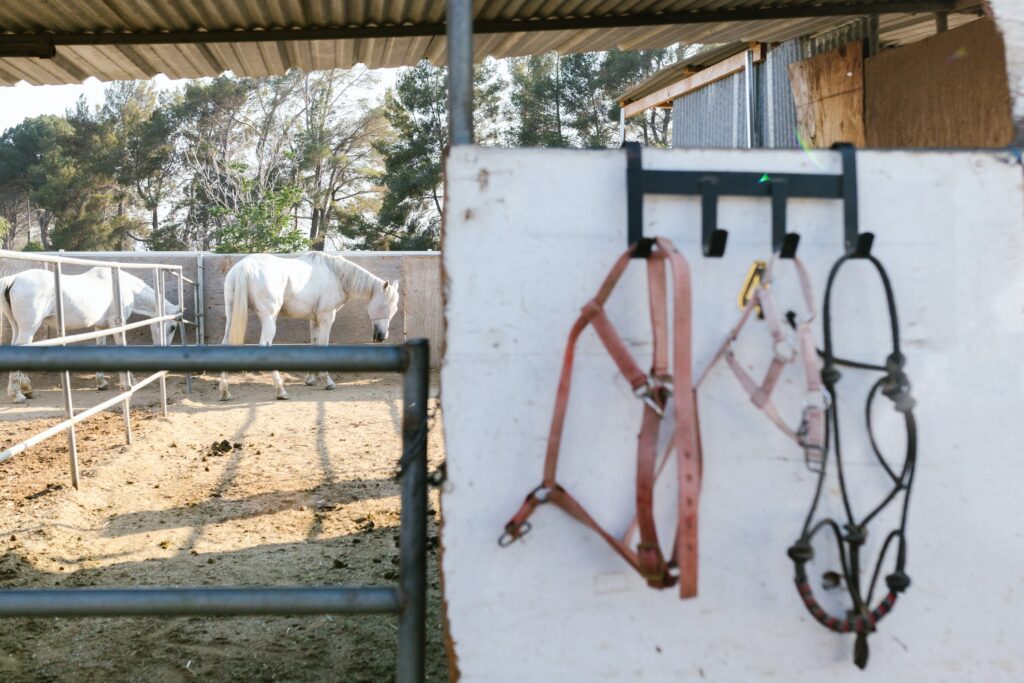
(710, 185)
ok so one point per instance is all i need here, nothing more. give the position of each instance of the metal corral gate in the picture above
(407, 599)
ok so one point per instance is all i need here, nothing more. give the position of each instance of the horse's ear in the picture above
(386, 285)
(394, 284)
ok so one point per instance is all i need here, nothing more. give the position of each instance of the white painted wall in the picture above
(529, 236)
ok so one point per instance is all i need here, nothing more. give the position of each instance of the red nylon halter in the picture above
(654, 390)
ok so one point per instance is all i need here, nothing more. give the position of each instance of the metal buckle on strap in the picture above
(647, 390)
(814, 453)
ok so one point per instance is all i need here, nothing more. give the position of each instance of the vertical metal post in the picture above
(941, 22)
(125, 378)
(412, 579)
(622, 126)
(182, 332)
(748, 73)
(158, 287)
(872, 35)
(69, 409)
(200, 295)
(459, 30)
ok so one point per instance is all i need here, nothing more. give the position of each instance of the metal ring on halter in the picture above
(646, 391)
(785, 350)
(507, 538)
(811, 399)
(541, 494)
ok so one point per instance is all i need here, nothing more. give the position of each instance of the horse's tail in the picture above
(236, 305)
(5, 302)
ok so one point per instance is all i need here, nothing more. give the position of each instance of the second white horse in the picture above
(29, 300)
(310, 287)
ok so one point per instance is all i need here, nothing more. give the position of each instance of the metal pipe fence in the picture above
(119, 331)
(407, 599)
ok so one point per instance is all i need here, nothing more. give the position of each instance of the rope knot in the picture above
(856, 534)
(897, 581)
(829, 374)
(801, 552)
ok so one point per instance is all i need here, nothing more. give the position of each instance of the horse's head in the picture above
(382, 308)
(170, 326)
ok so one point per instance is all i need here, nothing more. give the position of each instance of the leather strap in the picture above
(810, 433)
(656, 390)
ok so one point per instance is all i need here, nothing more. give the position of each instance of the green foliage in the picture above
(262, 224)
(536, 102)
(285, 163)
(409, 215)
(571, 100)
(33, 246)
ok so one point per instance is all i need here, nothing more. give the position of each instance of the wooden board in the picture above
(829, 93)
(950, 90)
(421, 303)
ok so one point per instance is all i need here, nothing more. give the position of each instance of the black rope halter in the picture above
(850, 536)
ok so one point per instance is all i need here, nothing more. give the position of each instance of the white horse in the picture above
(310, 287)
(29, 300)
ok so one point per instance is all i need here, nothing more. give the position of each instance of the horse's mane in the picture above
(353, 278)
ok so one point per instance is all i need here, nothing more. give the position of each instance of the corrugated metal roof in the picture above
(74, 25)
(893, 30)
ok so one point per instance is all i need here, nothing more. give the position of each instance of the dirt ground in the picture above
(305, 495)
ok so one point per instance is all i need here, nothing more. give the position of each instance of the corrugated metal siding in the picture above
(110, 62)
(708, 117)
(776, 108)
(715, 116)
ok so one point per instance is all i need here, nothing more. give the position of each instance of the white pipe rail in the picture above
(107, 332)
(119, 332)
(85, 414)
(72, 261)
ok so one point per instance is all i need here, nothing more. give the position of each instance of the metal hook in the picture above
(712, 237)
(783, 243)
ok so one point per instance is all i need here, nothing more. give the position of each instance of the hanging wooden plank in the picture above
(828, 90)
(950, 90)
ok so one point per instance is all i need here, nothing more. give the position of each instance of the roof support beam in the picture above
(43, 44)
(717, 72)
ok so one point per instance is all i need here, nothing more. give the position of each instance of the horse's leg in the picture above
(222, 386)
(13, 380)
(323, 338)
(19, 387)
(268, 323)
(101, 379)
(310, 377)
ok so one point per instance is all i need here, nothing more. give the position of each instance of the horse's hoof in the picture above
(225, 397)
(310, 381)
(19, 399)
(102, 387)
(282, 397)
(28, 394)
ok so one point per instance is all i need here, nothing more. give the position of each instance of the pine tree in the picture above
(409, 216)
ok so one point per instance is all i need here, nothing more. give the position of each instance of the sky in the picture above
(23, 100)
